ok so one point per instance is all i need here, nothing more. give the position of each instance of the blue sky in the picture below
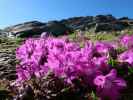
(17, 11)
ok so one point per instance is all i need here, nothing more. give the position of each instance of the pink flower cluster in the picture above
(127, 56)
(67, 60)
(32, 56)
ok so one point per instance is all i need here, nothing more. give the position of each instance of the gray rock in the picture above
(7, 66)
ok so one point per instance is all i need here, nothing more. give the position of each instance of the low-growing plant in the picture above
(94, 70)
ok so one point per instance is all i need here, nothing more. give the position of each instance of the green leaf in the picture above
(65, 89)
(93, 95)
(112, 62)
(130, 70)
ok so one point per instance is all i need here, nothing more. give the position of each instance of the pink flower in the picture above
(103, 48)
(23, 74)
(101, 63)
(126, 41)
(109, 85)
(127, 56)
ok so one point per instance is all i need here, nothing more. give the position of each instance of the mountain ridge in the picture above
(97, 23)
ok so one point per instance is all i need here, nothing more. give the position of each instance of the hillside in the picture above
(99, 23)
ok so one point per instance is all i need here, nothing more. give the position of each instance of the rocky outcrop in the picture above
(98, 23)
(32, 28)
(7, 66)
